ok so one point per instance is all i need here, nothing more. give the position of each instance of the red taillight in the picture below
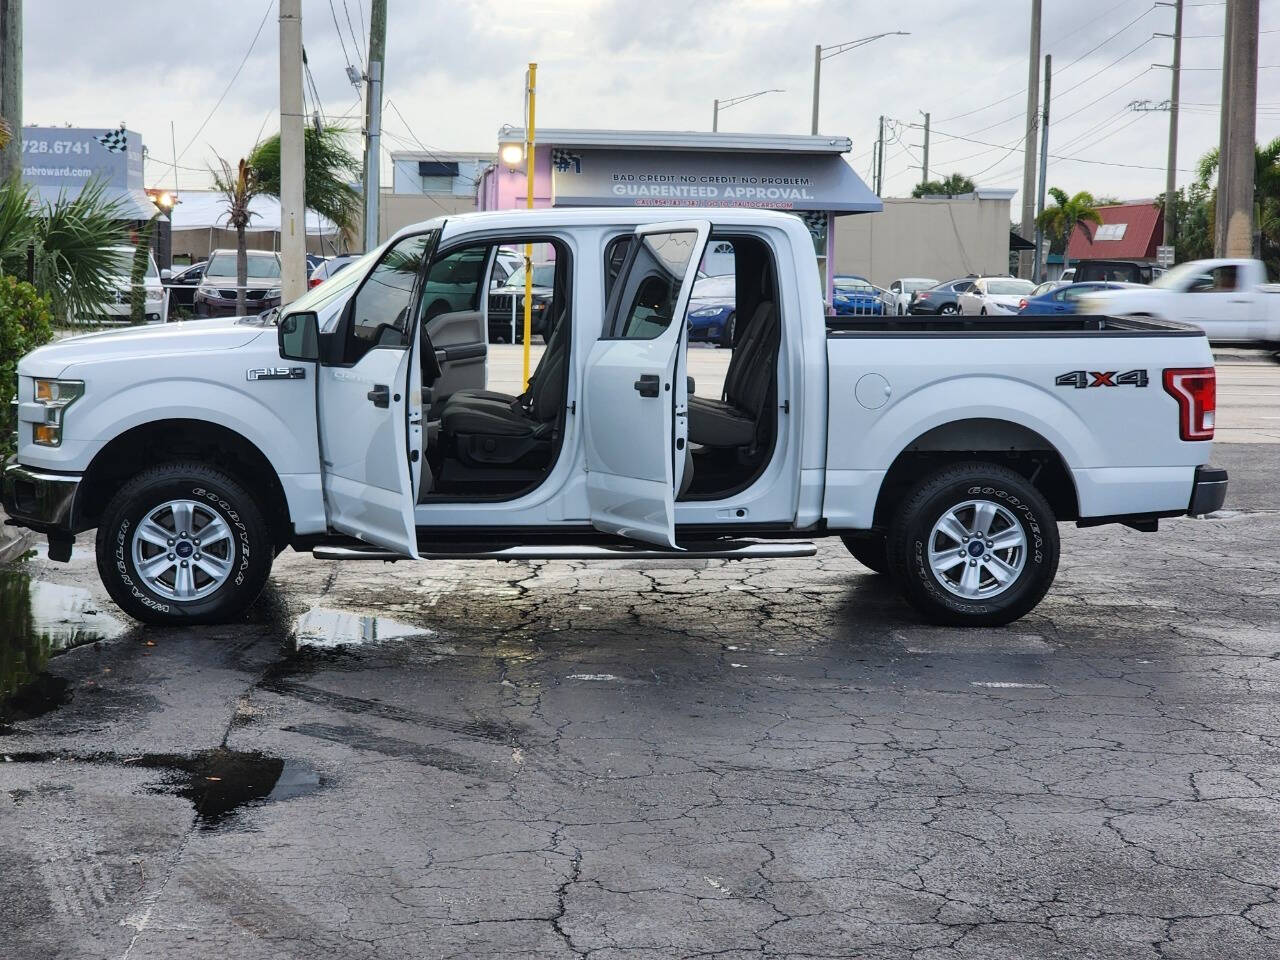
(1022, 304)
(1196, 390)
(923, 295)
(314, 282)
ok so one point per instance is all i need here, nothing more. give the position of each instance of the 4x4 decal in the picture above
(1080, 379)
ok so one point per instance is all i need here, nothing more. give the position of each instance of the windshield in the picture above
(544, 275)
(911, 286)
(851, 285)
(1177, 277)
(124, 265)
(223, 264)
(1008, 288)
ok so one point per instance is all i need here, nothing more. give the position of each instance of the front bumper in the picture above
(1208, 491)
(41, 500)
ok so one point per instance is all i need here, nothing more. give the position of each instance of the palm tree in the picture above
(238, 187)
(329, 168)
(68, 242)
(1061, 221)
(1266, 192)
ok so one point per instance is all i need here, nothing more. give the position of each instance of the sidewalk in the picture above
(14, 541)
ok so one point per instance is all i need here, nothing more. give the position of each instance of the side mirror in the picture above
(166, 274)
(299, 337)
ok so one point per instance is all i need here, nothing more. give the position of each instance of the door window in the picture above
(1217, 280)
(380, 309)
(644, 305)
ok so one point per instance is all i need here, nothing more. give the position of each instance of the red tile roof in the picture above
(1143, 230)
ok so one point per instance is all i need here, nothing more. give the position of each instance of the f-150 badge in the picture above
(1081, 379)
(276, 373)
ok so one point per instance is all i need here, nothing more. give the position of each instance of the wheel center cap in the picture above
(184, 549)
(976, 548)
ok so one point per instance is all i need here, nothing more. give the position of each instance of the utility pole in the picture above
(817, 78)
(715, 116)
(11, 85)
(1171, 174)
(924, 165)
(879, 176)
(293, 205)
(373, 120)
(1029, 144)
(1219, 222)
(1039, 270)
(1236, 164)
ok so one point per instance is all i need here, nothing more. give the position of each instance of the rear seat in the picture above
(735, 419)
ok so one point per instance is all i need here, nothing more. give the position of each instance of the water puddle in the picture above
(39, 620)
(324, 629)
(217, 782)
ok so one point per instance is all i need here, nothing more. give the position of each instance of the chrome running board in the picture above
(726, 550)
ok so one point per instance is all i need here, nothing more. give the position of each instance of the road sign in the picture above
(1164, 256)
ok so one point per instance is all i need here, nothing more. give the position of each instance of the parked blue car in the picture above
(855, 296)
(1062, 298)
(712, 308)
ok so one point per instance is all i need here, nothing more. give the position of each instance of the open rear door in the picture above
(635, 394)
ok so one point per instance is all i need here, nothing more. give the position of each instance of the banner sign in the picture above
(658, 178)
(70, 156)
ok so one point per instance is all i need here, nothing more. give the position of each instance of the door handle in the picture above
(380, 395)
(647, 385)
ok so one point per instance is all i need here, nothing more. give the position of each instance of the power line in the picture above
(354, 42)
(338, 30)
(230, 82)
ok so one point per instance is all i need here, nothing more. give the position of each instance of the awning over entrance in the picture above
(654, 178)
(134, 202)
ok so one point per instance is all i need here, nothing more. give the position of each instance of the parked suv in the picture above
(155, 307)
(216, 295)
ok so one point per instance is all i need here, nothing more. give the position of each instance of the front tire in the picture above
(1001, 524)
(726, 335)
(948, 310)
(183, 543)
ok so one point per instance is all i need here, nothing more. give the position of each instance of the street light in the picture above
(821, 53)
(719, 105)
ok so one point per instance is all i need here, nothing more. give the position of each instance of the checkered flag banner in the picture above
(816, 221)
(116, 141)
(564, 161)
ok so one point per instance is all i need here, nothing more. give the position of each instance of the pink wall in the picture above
(504, 189)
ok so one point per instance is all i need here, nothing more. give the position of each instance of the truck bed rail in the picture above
(1076, 325)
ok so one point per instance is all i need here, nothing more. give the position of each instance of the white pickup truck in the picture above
(1229, 299)
(358, 426)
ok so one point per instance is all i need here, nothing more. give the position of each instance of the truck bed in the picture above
(1077, 325)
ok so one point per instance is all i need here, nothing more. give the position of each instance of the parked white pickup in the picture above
(357, 427)
(1229, 299)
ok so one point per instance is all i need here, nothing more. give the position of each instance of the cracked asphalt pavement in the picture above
(738, 760)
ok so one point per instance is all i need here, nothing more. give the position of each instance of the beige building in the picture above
(936, 237)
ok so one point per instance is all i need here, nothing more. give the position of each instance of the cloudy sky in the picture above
(454, 75)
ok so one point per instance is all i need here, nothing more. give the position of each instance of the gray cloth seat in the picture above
(735, 420)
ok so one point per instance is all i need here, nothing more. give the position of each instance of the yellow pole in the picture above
(529, 130)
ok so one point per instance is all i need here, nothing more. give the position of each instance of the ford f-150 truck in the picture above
(356, 427)
(1229, 299)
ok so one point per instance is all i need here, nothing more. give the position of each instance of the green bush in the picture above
(25, 323)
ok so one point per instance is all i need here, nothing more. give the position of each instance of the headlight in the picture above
(154, 296)
(706, 312)
(55, 396)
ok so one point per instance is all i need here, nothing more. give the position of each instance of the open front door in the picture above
(370, 403)
(635, 394)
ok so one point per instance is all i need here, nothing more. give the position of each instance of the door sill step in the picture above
(716, 550)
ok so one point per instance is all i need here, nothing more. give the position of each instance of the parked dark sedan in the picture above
(182, 285)
(940, 300)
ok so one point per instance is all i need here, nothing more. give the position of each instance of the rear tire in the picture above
(868, 550)
(150, 514)
(948, 310)
(998, 520)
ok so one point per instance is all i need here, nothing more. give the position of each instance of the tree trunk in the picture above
(242, 271)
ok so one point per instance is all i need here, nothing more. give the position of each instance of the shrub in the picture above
(25, 323)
